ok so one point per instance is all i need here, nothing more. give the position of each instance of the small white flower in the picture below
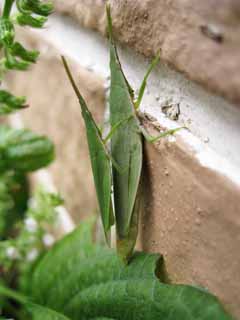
(48, 240)
(12, 253)
(32, 255)
(31, 224)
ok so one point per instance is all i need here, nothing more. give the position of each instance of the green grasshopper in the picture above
(120, 169)
(100, 160)
(127, 149)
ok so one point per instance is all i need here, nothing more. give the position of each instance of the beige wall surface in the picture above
(199, 38)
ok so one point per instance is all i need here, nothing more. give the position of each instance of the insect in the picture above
(127, 149)
(120, 168)
(100, 160)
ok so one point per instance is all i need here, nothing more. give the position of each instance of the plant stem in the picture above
(7, 8)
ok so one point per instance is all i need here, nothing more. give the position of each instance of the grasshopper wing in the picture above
(100, 160)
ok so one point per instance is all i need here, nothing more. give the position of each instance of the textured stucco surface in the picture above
(198, 38)
(191, 216)
(54, 111)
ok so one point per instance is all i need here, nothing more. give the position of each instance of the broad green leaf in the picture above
(146, 300)
(34, 311)
(102, 318)
(22, 150)
(96, 284)
(101, 166)
(41, 313)
(59, 262)
(100, 267)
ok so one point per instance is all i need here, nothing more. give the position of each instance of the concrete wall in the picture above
(192, 181)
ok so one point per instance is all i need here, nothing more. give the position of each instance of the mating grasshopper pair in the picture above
(120, 169)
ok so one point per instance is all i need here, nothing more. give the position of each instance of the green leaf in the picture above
(7, 32)
(145, 299)
(13, 200)
(11, 63)
(18, 50)
(28, 20)
(83, 281)
(10, 103)
(68, 253)
(36, 311)
(39, 313)
(23, 150)
(85, 288)
(36, 6)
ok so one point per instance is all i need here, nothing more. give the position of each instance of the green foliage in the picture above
(7, 32)
(13, 200)
(23, 150)
(19, 51)
(15, 57)
(28, 20)
(10, 103)
(22, 250)
(92, 283)
(35, 7)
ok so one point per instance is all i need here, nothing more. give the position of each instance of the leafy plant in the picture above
(21, 151)
(19, 254)
(14, 193)
(23, 227)
(79, 280)
(15, 57)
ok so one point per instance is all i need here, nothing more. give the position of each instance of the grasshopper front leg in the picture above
(144, 82)
(147, 136)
